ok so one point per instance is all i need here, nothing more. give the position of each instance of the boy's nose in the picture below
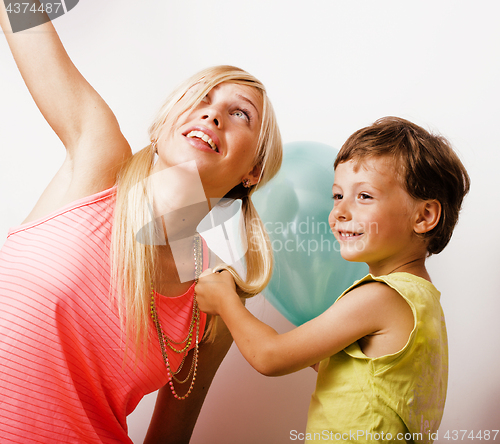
(340, 211)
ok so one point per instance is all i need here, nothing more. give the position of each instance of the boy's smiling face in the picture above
(373, 215)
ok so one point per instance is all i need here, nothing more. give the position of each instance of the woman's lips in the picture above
(203, 138)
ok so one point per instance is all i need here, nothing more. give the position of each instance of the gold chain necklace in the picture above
(168, 343)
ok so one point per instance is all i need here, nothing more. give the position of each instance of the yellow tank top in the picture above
(392, 398)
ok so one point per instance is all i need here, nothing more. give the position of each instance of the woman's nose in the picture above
(212, 115)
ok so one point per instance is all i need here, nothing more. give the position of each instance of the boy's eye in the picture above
(337, 196)
(364, 196)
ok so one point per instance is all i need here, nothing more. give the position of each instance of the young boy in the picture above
(382, 345)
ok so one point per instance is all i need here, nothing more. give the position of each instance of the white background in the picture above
(330, 67)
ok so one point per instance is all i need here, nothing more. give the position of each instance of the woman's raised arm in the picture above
(79, 116)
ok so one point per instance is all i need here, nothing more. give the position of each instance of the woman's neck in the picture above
(178, 199)
(175, 267)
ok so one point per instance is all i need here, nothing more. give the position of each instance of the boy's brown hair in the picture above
(427, 165)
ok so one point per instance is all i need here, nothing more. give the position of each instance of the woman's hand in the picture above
(213, 289)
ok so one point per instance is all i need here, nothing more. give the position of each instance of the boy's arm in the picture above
(365, 312)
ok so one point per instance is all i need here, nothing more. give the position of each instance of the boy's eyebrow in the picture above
(364, 182)
(370, 184)
(359, 184)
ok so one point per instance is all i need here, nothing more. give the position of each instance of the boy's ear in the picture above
(428, 215)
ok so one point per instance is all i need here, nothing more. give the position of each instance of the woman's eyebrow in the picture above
(247, 100)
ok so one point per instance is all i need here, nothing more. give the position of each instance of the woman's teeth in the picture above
(201, 135)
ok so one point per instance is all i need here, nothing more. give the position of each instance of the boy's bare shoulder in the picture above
(373, 289)
(379, 299)
(389, 315)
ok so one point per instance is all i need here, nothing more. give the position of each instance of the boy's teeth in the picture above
(201, 135)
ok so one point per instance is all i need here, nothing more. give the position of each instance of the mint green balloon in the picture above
(309, 272)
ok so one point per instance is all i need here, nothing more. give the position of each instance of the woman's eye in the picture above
(242, 115)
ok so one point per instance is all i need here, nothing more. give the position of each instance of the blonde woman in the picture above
(93, 316)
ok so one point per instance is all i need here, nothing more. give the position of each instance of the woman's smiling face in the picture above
(220, 133)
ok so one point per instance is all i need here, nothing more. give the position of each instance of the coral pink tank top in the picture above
(63, 377)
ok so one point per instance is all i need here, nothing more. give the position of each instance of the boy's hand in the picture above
(212, 289)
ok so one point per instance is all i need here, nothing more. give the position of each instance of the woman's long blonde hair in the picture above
(133, 260)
